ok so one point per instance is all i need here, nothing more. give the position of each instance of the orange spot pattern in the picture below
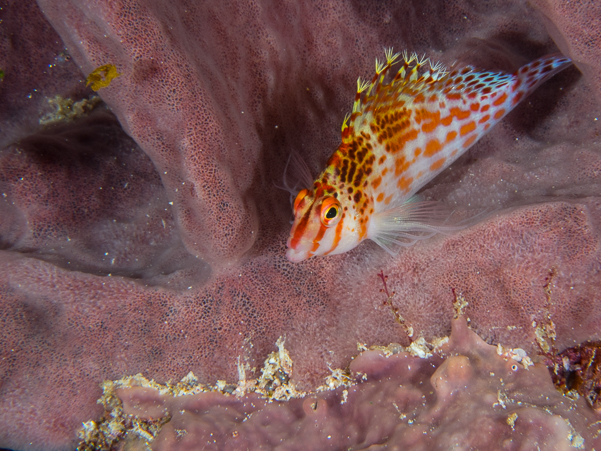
(392, 127)
(446, 120)
(468, 142)
(376, 182)
(405, 183)
(459, 113)
(517, 98)
(419, 98)
(431, 120)
(451, 136)
(500, 100)
(432, 147)
(400, 166)
(467, 128)
(438, 164)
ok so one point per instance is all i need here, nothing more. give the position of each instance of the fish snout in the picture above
(297, 256)
(299, 252)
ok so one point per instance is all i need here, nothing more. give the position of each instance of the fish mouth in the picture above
(297, 256)
(300, 252)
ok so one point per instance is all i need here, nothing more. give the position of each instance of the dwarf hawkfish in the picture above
(404, 129)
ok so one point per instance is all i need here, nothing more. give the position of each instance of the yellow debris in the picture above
(102, 76)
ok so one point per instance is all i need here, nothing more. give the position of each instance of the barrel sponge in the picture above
(574, 27)
(212, 92)
(178, 263)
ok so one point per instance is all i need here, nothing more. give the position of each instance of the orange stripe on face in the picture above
(432, 147)
(484, 119)
(475, 106)
(485, 108)
(468, 142)
(438, 164)
(380, 197)
(499, 114)
(316, 241)
(337, 235)
(417, 152)
(300, 229)
(446, 120)
(467, 128)
(500, 100)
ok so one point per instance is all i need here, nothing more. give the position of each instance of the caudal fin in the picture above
(530, 76)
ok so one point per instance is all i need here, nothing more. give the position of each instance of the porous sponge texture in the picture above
(534, 263)
(205, 86)
(217, 96)
(575, 28)
(35, 66)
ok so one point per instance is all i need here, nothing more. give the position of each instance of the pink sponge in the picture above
(216, 96)
(575, 29)
(211, 91)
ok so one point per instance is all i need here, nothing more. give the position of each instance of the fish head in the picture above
(324, 224)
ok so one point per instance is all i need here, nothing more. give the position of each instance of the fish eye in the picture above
(299, 197)
(330, 212)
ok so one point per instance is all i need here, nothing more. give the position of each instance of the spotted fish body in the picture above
(405, 128)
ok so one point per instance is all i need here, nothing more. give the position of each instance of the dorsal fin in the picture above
(296, 177)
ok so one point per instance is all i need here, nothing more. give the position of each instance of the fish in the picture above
(405, 128)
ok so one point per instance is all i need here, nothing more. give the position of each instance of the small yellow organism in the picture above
(102, 76)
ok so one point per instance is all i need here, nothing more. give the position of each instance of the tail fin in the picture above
(530, 76)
